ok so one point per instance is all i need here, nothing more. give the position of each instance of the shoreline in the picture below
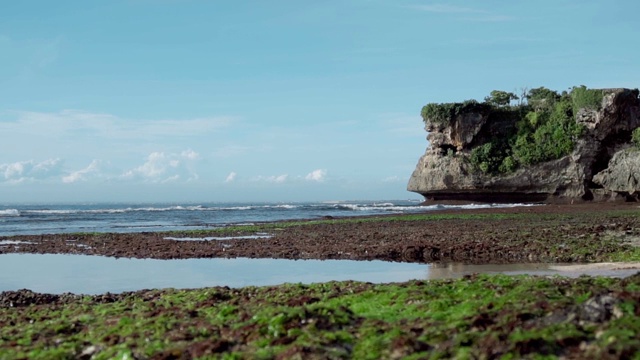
(478, 315)
(587, 232)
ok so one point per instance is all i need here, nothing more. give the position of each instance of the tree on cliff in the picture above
(500, 98)
(542, 98)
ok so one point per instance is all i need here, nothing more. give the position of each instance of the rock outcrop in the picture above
(622, 175)
(602, 166)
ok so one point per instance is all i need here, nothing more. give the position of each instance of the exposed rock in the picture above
(623, 174)
(25, 297)
(445, 172)
(461, 131)
(598, 309)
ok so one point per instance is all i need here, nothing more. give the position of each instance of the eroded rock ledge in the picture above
(603, 165)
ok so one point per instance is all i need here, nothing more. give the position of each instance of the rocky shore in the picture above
(478, 316)
(585, 232)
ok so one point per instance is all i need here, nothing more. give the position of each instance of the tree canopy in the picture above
(500, 98)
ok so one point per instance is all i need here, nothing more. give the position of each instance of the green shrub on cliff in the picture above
(547, 134)
(493, 157)
(437, 113)
(635, 137)
(586, 98)
(443, 113)
(486, 158)
(545, 131)
(539, 129)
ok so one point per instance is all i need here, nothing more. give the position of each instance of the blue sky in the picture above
(283, 100)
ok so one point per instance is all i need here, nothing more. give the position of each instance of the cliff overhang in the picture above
(478, 152)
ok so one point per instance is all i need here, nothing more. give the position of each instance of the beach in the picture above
(473, 316)
(543, 233)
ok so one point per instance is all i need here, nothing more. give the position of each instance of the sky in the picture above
(281, 100)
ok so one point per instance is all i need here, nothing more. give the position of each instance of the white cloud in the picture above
(156, 165)
(13, 171)
(190, 154)
(161, 167)
(22, 171)
(231, 177)
(279, 178)
(316, 175)
(274, 179)
(171, 179)
(92, 170)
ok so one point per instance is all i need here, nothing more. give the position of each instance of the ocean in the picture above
(58, 273)
(31, 219)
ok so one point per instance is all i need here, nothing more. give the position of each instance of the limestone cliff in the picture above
(602, 164)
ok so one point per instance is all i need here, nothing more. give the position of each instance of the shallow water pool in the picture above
(56, 273)
(82, 274)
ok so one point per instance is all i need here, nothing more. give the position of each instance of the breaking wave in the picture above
(9, 212)
(344, 206)
(40, 219)
(390, 207)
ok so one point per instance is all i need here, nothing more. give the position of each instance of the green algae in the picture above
(474, 317)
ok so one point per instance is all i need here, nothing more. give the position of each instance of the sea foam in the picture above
(9, 212)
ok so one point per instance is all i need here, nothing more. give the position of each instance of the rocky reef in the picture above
(602, 163)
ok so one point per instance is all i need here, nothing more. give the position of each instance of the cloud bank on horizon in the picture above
(95, 150)
(270, 101)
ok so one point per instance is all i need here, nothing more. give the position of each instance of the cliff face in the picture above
(602, 165)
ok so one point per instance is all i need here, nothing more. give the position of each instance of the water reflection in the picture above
(81, 274)
(457, 270)
(56, 273)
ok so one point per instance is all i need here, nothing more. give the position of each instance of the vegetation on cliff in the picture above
(544, 126)
(442, 114)
(635, 137)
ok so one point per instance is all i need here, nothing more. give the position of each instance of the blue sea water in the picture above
(136, 217)
(58, 273)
